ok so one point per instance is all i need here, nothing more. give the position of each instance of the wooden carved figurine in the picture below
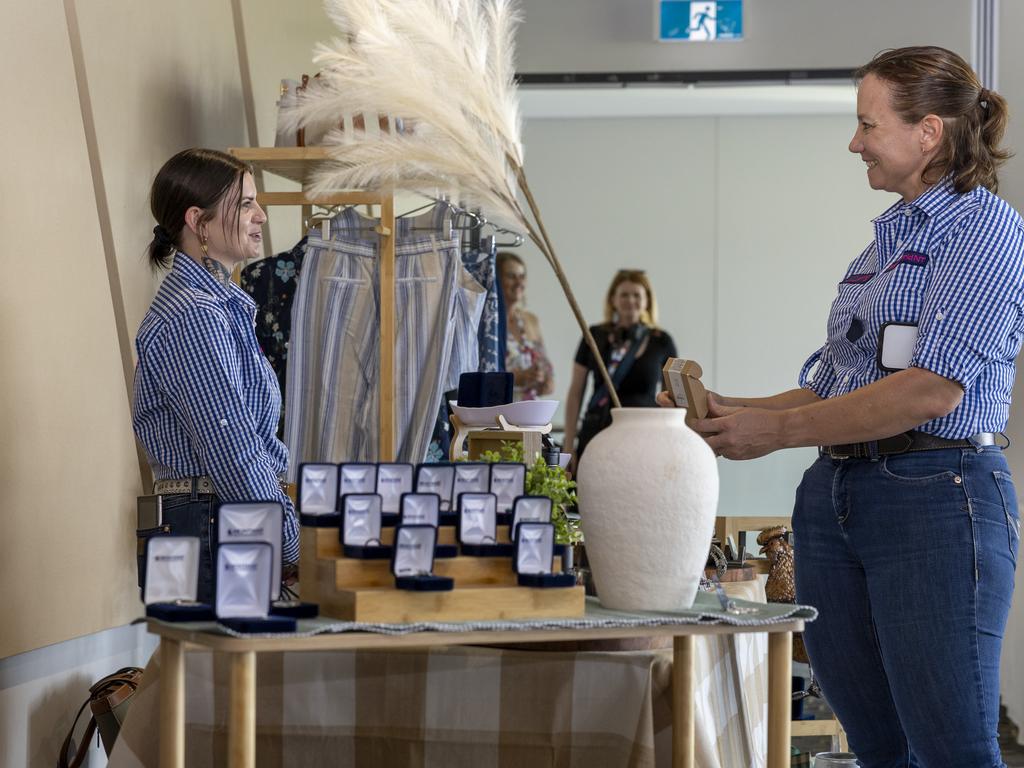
(682, 380)
(781, 584)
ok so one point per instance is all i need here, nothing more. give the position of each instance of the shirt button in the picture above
(223, 422)
(846, 379)
(939, 316)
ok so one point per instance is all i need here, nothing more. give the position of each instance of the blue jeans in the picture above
(910, 560)
(188, 515)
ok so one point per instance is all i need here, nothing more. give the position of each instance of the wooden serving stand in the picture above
(363, 590)
(481, 439)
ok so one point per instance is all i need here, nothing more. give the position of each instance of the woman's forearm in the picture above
(792, 398)
(895, 404)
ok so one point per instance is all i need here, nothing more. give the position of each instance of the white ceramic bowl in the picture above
(525, 413)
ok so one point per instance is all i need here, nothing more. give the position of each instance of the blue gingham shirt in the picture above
(953, 265)
(206, 400)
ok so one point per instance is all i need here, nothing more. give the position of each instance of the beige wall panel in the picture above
(794, 209)
(624, 193)
(1011, 86)
(280, 39)
(174, 83)
(67, 461)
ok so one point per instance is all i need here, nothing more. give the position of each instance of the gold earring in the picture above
(202, 244)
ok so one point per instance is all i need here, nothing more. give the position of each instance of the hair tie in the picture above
(983, 95)
(163, 237)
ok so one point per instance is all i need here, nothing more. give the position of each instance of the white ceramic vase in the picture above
(648, 495)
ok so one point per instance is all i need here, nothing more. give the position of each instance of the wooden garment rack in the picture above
(297, 164)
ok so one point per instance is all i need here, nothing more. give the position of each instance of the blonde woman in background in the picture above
(634, 350)
(525, 357)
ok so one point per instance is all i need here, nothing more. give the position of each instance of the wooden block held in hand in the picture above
(682, 380)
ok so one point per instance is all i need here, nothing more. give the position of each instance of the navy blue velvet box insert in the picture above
(547, 580)
(487, 550)
(331, 520)
(443, 551)
(260, 624)
(373, 552)
(425, 583)
(483, 390)
(295, 609)
(180, 612)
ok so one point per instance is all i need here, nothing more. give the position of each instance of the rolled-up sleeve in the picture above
(817, 373)
(974, 300)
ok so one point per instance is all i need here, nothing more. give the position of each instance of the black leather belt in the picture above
(906, 442)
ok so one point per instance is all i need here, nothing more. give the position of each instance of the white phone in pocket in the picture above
(896, 346)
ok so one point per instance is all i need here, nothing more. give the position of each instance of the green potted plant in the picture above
(543, 479)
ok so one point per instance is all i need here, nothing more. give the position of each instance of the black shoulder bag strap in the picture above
(600, 397)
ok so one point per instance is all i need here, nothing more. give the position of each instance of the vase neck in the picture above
(648, 415)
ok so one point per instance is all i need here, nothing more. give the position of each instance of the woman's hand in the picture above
(739, 432)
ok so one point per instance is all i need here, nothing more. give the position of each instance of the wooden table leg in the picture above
(172, 704)
(780, 698)
(242, 711)
(682, 702)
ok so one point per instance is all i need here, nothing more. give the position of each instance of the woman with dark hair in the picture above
(206, 401)
(906, 526)
(634, 350)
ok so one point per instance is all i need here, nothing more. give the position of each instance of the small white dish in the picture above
(525, 413)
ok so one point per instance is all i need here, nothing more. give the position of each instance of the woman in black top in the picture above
(630, 338)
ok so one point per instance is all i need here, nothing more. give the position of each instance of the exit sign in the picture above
(692, 20)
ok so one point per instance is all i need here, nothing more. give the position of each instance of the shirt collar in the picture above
(932, 201)
(195, 275)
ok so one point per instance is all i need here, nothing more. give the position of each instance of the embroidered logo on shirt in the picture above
(909, 257)
(863, 277)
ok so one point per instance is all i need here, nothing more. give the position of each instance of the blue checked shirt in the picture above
(953, 265)
(206, 400)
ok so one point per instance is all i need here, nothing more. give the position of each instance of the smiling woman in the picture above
(909, 508)
(206, 402)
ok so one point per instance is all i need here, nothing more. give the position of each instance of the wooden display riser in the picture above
(325, 543)
(363, 590)
(352, 573)
(464, 603)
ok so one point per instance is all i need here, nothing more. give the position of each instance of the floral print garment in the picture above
(271, 282)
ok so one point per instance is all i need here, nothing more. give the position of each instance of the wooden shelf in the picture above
(468, 603)
(295, 163)
(363, 590)
(324, 541)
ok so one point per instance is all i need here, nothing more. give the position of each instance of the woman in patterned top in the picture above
(906, 526)
(206, 401)
(524, 356)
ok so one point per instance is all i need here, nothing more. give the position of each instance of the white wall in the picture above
(40, 692)
(618, 35)
(744, 224)
(1011, 85)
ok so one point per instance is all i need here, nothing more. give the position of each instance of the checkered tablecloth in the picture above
(471, 707)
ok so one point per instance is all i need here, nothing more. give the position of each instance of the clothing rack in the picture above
(297, 163)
